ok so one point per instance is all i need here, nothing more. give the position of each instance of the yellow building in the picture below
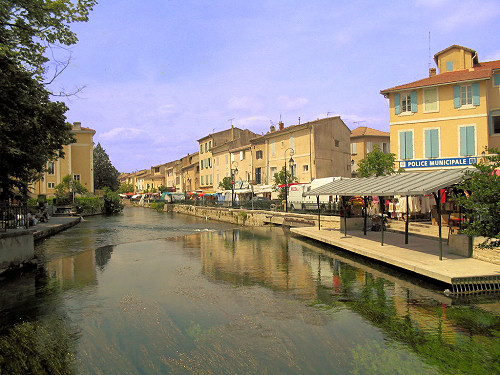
(77, 162)
(190, 173)
(206, 161)
(363, 139)
(320, 149)
(446, 120)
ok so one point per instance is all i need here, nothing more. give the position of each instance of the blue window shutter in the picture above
(434, 135)
(475, 93)
(449, 66)
(456, 96)
(397, 104)
(409, 145)
(428, 141)
(496, 79)
(471, 142)
(463, 141)
(413, 96)
(402, 144)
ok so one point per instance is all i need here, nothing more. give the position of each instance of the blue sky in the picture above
(160, 74)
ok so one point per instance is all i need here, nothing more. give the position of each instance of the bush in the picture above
(112, 202)
(89, 205)
(157, 206)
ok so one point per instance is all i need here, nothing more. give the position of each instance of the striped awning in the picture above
(413, 183)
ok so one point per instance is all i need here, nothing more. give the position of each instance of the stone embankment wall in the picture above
(17, 248)
(487, 255)
(253, 217)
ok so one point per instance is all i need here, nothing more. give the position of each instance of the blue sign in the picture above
(437, 163)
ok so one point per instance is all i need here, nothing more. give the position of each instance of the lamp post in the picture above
(291, 166)
(233, 173)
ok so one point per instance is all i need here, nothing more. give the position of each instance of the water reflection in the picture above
(232, 301)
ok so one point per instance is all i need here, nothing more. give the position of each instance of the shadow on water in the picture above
(206, 298)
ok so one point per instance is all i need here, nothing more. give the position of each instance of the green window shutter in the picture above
(409, 145)
(431, 143)
(471, 142)
(449, 66)
(496, 79)
(475, 93)
(463, 141)
(397, 104)
(402, 144)
(456, 96)
(428, 147)
(413, 96)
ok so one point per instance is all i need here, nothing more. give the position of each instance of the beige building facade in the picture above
(78, 162)
(363, 140)
(447, 119)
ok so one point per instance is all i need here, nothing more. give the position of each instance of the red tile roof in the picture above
(366, 131)
(480, 71)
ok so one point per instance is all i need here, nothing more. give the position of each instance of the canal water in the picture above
(157, 293)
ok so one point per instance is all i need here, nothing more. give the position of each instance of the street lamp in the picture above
(233, 173)
(291, 169)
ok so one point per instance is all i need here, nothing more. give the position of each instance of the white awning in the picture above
(414, 183)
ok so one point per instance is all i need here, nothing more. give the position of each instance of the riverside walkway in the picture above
(55, 225)
(420, 256)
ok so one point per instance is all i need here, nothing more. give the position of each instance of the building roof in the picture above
(414, 183)
(480, 71)
(456, 46)
(366, 131)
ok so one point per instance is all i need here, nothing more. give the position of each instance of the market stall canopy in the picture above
(414, 183)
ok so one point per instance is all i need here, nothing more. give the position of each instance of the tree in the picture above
(112, 202)
(226, 183)
(481, 200)
(33, 129)
(29, 27)
(105, 174)
(68, 187)
(279, 179)
(376, 163)
(125, 188)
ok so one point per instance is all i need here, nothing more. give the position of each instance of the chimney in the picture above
(273, 128)
(281, 125)
(77, 126)
(432, 72)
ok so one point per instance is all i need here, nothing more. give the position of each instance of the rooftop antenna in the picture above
(328, 113)
(299, 120)
(429, 65)
(231, 119)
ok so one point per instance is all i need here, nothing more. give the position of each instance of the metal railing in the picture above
(13, 216)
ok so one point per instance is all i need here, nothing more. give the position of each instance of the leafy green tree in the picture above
(162, 189)
(112, 202)
(225, 184)
(125, 188)
(376, 163)
(68, 187)
(33, 129)
(481, 200)
(279, 179)
(105, 174)
(29, 27)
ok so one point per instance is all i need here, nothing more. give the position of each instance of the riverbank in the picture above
(55, 225)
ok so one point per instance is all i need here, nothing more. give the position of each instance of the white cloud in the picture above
(292, 103)
(468, 14)
(245, 102)
(122, 134)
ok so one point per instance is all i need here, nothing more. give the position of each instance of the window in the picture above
(258, 154)
(305, 168)
(496, 79)
(203, 180)
(385, 147)
(210, 177)
(292, 142)
(273, 170)
(354, 148)
(466, 96)
(405, 103)
(258, 175)
(449, 66)
(76, 177)
(51, 185)
(273, 148)
(467, 140)
(201, 149)
(337, 143)
(495, 124)
(242, 154)
(227, 162)
(369, 147)
(431, 100)
(406, 145)
(209, 162)
(50, 167)
(431, 143)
